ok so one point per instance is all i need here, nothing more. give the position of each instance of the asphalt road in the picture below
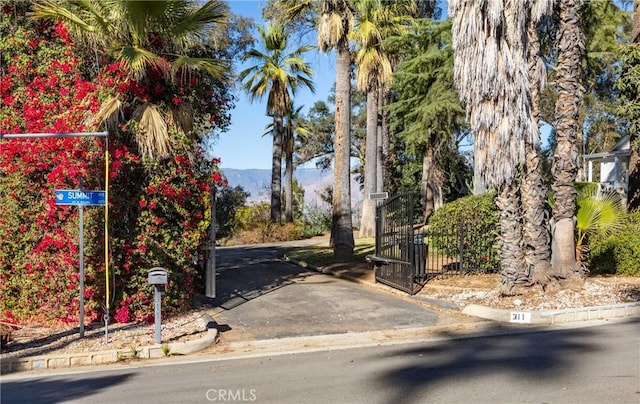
(594, 364)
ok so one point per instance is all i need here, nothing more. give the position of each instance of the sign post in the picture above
(80, 198)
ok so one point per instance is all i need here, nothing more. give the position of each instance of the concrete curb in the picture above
(554, 316)
(41, 362)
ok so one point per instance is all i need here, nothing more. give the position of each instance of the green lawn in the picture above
(322, 255)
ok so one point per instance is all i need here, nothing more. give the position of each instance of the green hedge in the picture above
(619, 253)
(479, 217)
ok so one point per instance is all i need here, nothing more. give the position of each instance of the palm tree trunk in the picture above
(342, 225)
(387, 159)
(634, 160)
(288, 194)
(276, 171)
(565, 167)
(514, 279)
(381, 125)
(427, 185)
(536, 236)
(368, 220)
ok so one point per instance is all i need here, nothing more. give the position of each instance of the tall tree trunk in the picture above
(342, 224)
(288, 194)
(276, 171)
(514, 279)
(427, 185)
(633, 194)
(536, 236)
(368, 219)
(565, 167)
(387, 158)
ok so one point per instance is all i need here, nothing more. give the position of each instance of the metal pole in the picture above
(157, 312)
(81, 253)
(210, 279)
(106, 239)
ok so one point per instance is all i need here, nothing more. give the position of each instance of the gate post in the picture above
(461, 239)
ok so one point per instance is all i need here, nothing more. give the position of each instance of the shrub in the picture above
(159, 212)
(598, 213)
(478, 218)
(228, 201)
(618, 253)
(317, 220)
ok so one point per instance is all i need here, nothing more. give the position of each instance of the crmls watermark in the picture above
(231, 396)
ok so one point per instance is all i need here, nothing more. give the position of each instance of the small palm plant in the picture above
(598, 213)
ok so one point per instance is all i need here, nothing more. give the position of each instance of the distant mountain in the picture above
(312, 180)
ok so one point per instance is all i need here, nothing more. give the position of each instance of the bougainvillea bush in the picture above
(158, 211)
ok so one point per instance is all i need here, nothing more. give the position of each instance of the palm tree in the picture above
(565, 167)
(596, 214)
(144, 37)
(490, 73)
(376, 20)
(278, 74)
(536, 236)
(295, 127)
(335, 22)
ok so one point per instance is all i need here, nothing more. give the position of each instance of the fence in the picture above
(408, 256)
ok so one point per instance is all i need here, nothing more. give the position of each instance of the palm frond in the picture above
(180, 118)
(110, 113)
(597, 212)
(216, 68)
(195, 22)
(53, 10)
(152, 135)
(138, 60)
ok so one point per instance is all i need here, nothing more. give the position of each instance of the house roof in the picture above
(620, 149)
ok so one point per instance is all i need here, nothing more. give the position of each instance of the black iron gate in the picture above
(395, 256)
(407, 256)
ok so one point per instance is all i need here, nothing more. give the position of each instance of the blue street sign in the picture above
(77, 197)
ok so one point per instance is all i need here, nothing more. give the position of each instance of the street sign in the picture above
(379, 195)
(78, 197)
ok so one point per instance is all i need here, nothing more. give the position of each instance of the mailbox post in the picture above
(158, 278)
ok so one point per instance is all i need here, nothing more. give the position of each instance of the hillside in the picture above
(258, 182)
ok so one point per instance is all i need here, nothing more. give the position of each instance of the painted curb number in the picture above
(520, 317)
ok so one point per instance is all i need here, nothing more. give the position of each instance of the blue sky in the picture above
(243, 145)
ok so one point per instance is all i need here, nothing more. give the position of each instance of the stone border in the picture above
(58, 361)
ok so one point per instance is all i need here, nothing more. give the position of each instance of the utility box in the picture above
(158, 276)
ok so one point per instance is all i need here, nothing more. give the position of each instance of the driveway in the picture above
(261, 297)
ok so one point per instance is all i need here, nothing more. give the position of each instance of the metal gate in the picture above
(397, 250)
(407, 257)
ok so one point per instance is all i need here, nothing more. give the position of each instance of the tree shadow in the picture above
(247, 272)
(57, 390)
(542, 355)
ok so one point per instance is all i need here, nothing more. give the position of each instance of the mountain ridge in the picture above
(257, 182)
